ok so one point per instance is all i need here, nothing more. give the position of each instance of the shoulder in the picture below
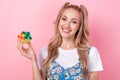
(44, 48)
(95, 63)
(93, 54)
(42, 55)
(93, 50)
(44, 51)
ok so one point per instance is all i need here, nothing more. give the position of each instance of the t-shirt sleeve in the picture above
(40, 59)
(42, 55)
(95, 63)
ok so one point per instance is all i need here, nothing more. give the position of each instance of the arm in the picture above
(36, 71)
(93, 76)
(95, 64)
(30, 54)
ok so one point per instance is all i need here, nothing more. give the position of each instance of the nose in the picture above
(67, 24)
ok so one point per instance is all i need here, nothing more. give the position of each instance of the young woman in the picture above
(69, 55)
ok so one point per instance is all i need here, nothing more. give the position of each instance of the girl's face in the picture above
(69, 23)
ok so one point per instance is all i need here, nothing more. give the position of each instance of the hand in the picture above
(27, 52)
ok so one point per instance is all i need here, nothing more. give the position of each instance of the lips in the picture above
(65, 30)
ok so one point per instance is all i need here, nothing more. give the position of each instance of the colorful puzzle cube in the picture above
(25, 36)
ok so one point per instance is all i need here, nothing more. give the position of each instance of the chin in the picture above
(66, 36)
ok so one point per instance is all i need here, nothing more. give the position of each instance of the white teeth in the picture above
(66, 30)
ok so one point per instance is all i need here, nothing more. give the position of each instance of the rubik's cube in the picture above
(25, 36)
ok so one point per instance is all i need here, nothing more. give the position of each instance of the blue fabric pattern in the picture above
(57, 72)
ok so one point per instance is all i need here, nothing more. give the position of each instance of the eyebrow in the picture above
(67, 17)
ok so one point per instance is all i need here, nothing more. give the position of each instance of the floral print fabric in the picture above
(57, 72)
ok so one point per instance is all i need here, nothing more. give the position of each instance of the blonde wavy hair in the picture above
(81, 40)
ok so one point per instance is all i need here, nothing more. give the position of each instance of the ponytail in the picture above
(84, 39)
(85, 19)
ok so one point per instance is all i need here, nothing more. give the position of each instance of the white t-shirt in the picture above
(69, 58)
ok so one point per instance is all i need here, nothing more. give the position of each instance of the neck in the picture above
(67, 44)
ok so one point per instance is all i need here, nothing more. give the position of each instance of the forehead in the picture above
(71, 13)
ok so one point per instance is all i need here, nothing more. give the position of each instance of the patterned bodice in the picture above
(57, 72)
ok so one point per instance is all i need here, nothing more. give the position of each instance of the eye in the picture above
(64, 19)
(74, 22)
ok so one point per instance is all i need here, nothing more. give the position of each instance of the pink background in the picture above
(37, 16)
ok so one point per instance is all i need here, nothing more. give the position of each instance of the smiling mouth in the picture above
(66, 30)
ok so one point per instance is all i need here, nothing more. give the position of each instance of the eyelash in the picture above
(64, 19)
(74, 22)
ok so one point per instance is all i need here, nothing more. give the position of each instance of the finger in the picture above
(19, 39)
(30, 45)
(19, 43)
(26, 46)
(20, 46)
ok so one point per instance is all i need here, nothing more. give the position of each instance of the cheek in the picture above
(60, 24)
(78, 26)
(59, 27)
(75, 27)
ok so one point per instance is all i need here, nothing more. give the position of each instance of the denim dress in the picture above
(57, 72)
